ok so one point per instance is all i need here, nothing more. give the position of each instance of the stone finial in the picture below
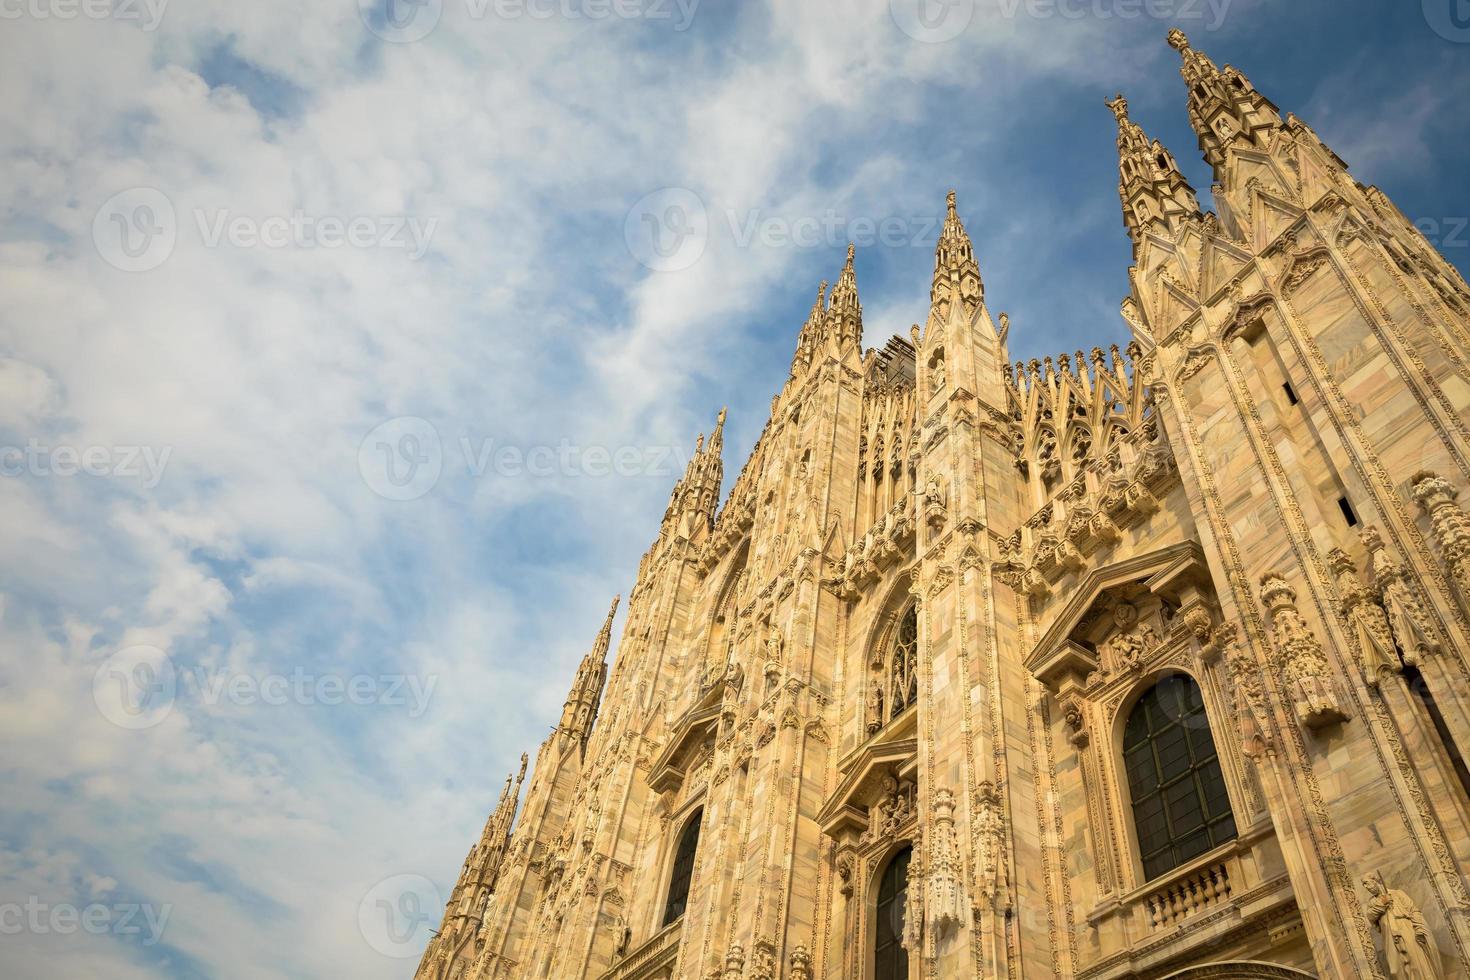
(1178, 40)
(1119, 105)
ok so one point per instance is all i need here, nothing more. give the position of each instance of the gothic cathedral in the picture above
(1141, 663)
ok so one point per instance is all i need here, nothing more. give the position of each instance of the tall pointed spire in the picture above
(1223, 105)
(845, 315)
(1153, 191)
(604, 638)
(580, 710)
(811, 332)
(956, 273)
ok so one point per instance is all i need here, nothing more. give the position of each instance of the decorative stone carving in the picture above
(944, 899)
(1248, 698)
(913, 912)
(991, 875)
(1132, 640)
(892, 811)
(933, 504)
(1451, 526)
(1406, 617)
(1366, 618)
(800, 964)
(844, 874)
(734, 962)
(1408, 948)
(763, 963)
(1299, 656)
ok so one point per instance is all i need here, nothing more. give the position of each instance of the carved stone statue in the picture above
(1406, 942)
(875, 706)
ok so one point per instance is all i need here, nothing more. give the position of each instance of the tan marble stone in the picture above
(940, 584)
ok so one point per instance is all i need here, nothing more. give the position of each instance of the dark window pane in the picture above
(1180, 806)
(683, 870)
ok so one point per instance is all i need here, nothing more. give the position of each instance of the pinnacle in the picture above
(1178, 40)
(844, 294)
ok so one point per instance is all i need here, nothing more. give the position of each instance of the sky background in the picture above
(258, 690)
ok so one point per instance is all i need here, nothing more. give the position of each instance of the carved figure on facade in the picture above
(893, 811)
(1408, 948)
(1368, 623)
(1299, 657)
(1406, 617)
(1131, 640)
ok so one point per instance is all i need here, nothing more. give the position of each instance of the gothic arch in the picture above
(878, 870)
(1239, 970)
(692, 820)
(1126, 714)
(720, 632)
(890, 661)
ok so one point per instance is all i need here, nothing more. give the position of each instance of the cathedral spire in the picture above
(1223, 105)
(580, 710)
(956, 272)
(1154, 193)
(811, 333)
(845, 314)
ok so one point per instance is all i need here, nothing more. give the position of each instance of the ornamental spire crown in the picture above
(1153, 192)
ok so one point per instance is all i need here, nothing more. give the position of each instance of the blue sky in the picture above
(253, 683)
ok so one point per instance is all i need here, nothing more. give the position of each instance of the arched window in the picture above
(890, 959)
(904, 666)
(683, 869)
(1180, 807)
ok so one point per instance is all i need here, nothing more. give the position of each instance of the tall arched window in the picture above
(1180, 807)
(683, 869)
(895, 684)
(903, 667)
(890, 959)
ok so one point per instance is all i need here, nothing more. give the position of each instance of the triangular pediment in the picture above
(893, 752)
(1057, 655)
(1222, 262)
